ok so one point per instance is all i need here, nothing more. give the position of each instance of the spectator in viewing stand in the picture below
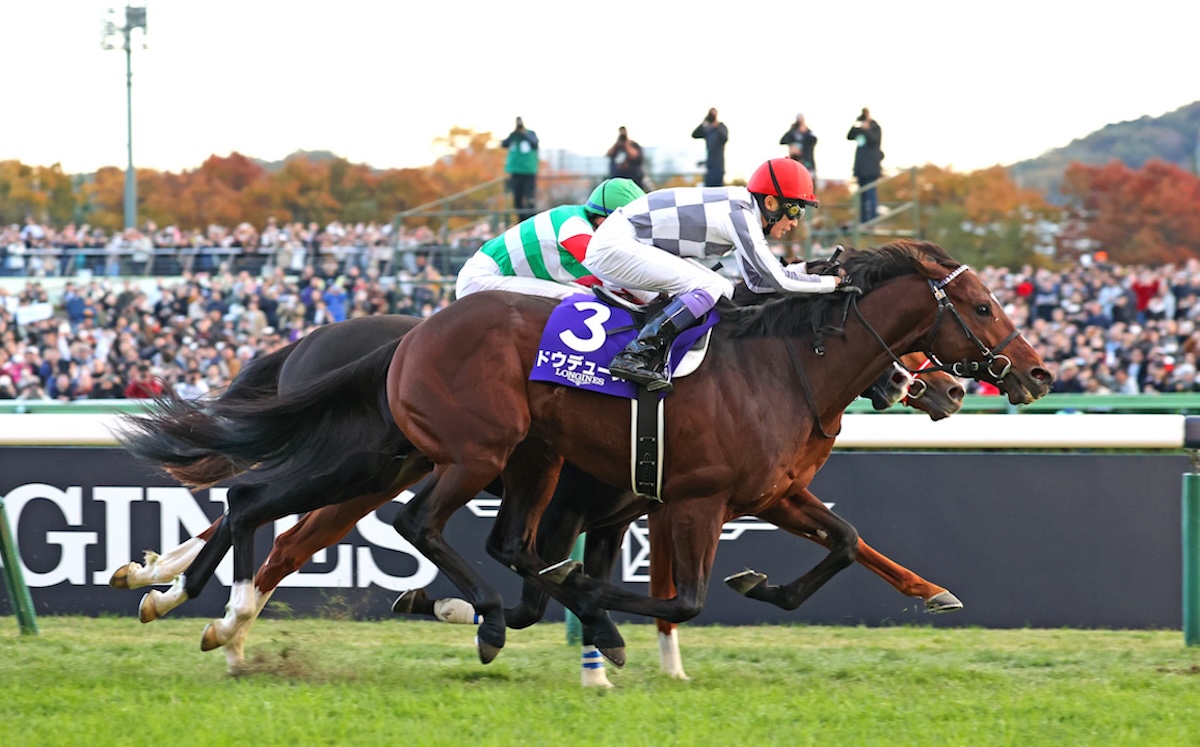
(868, 162)
(522, 167)
(625, 159)
(715, 134)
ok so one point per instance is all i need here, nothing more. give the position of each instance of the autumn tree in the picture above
(1148, 215)
(44, 192)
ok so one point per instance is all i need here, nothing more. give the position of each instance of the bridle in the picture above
(964, 369)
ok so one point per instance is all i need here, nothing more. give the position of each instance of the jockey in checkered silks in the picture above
(700, 222)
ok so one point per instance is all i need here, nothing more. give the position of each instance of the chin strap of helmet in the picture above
(773, 216)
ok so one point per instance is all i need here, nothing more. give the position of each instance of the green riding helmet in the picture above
(611, 194)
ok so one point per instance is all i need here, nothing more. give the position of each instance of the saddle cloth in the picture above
(583, 335)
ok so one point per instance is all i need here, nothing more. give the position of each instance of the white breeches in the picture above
(620, 260)
(481, 273)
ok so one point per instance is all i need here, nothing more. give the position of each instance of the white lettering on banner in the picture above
(383, 535)
(117, 523)
(182, 515)
(72, 563)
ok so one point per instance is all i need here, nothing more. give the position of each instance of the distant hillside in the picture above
(316, 156)
(1171, 137)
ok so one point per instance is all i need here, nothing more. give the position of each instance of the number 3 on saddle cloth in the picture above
(581, 338)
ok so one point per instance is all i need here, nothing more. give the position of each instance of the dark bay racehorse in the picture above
(739, 433)
(741, 436)
(576, 504)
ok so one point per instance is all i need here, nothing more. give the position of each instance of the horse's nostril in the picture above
(956, 394)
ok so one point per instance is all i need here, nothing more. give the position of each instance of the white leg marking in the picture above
(235, 655)
(668, 655)
(163, 569)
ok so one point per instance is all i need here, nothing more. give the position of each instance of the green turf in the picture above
(314, 682)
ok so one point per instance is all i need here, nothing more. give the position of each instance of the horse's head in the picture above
(972, 336)
(931, 391)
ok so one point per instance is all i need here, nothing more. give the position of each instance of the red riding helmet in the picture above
(784, 178)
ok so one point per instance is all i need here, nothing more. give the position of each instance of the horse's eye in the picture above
(983, 309)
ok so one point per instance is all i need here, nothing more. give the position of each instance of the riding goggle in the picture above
(791, 209)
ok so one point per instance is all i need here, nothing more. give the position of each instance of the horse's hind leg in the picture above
(161, 568)
(837, 535)
(422, 522)
(936, 598)
(191, 582)
(315, 531)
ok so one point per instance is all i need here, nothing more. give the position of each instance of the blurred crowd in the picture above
(37, 250)
(116, 339)
(1101, 328)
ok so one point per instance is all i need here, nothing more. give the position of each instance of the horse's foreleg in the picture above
(837, 535)
(936, 598)
(662, 586)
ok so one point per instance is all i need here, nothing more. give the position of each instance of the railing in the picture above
(1176, 403)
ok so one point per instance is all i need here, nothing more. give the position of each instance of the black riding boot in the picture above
(643, 361)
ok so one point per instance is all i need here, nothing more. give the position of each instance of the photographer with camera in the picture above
(521, 167)
(801, 143)
(625, 159)
(868, 162)
(715, 134)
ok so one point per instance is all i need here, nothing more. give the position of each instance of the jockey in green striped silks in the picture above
(543, 255)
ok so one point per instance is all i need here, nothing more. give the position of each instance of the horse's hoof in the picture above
(944, 602)
(120, 577)
(487, 652)
(557, 573)
(208, 639)
(615, 655)
(404, 603)
(147, 611)
(595, 678)
(744, 581)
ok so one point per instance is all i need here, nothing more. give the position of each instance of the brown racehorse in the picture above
(937, 393)
(744, 435)
(739, 431)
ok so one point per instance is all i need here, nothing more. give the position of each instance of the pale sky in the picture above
(959, 84)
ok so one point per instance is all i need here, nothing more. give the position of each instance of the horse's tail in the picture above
(258, 379)
(306, 429)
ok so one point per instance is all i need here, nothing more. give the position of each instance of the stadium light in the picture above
(112, 35)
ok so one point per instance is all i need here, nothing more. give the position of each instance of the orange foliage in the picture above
(1148, 215)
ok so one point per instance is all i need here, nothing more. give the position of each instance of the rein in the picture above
(965, 368)
(808, 392)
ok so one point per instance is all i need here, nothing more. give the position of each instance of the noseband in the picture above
(995, 365)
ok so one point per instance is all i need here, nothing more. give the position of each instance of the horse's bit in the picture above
(966, 368)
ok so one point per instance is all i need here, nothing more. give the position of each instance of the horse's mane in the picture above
(799, 314)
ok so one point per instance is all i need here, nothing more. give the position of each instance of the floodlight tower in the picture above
(135, 18)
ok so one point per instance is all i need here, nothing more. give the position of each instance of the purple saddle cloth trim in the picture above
(582, 337)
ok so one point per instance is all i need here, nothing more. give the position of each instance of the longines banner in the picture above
(1042, 540)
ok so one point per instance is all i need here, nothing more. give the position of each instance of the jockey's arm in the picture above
(760, 267)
